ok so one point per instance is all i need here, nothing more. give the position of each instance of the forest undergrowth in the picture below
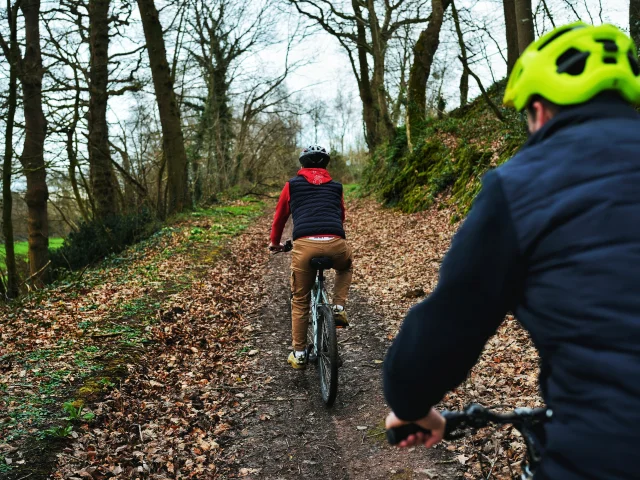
(64, 348)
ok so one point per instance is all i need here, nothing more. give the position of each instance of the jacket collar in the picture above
(601, 107)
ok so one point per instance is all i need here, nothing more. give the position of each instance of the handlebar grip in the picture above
(287, 247)
(398, 434)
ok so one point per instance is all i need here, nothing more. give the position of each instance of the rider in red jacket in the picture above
(316, 203)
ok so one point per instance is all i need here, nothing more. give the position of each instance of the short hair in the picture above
(554, 107)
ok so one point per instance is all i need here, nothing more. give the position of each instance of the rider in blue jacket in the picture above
(554, 236)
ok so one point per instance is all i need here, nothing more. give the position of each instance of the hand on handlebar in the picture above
(276, 247)
(433, 423)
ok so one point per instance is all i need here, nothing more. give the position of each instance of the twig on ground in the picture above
(329, 447)
(37, 273)
(269, 400)
(106, 335)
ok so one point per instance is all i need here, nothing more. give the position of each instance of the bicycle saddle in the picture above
(321, 263)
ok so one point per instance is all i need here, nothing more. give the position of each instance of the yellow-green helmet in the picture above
(572, 64)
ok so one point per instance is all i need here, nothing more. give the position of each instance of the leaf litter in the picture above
(397, 261)
(176, 311)
(151, 341)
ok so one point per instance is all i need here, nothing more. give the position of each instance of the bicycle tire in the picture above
(327, 352)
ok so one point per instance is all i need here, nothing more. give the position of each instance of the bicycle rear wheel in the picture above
(327, 351)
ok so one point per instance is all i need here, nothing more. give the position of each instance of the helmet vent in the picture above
(572, 61)
(559, 34)
(610, 60)
(633, 61)
(609, 45)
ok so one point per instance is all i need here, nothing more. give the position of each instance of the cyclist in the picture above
(316, 203)
(554, 236)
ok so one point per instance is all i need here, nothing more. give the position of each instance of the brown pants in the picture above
(303, 277)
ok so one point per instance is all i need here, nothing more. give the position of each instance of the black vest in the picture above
(316, 209)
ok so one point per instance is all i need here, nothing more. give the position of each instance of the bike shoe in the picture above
(299, 362)
(340, 316)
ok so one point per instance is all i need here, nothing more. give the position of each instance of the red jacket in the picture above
(316, 176)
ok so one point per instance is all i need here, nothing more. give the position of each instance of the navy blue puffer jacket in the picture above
(554, 236)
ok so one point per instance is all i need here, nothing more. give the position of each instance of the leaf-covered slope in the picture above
(448, 162)
(169, 302)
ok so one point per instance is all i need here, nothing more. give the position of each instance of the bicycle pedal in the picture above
(311, 355)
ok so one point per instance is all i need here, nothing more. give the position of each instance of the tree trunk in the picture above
(130, 202)
(223, 119)
(634, 21)
(524, 19)
(372, 135)
(485, 95)
(101, 174)
(11, 290)
(32, 158)
(193, 159)
(423, 53)
(511, 28)
(72, 155)
(378, 87)
(172, 139)
(161, 205)
(464, 78)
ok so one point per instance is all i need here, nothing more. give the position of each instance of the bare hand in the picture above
(433, 422)
(276, 247)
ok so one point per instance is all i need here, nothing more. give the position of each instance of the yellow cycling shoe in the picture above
(340, 316)
(299, 362)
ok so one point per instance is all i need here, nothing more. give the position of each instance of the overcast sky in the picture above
(331, 70)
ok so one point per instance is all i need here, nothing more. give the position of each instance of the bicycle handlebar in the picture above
(473, 416)
(288, 246)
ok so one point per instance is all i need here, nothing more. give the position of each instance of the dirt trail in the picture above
(295, 435)
(209, 394)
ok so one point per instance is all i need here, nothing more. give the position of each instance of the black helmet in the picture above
(314, 156)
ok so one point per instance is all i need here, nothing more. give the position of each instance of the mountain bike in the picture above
(529, 422)
(322, 347)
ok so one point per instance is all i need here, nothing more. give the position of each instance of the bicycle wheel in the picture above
(327, 351)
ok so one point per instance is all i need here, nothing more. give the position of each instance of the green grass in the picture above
(352, 190)
(22, 249)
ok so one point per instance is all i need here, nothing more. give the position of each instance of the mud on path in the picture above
(295, 435)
